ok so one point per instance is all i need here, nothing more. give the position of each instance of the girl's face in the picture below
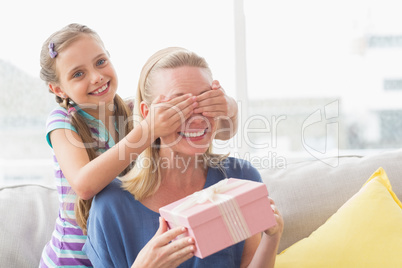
(197, 132)
(86, 75)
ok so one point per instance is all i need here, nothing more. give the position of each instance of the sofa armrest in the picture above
(308, 193)
(28, 217)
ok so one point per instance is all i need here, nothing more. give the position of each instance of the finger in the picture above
(186, 256)
(272, 230)
(183, 109)
(213, 101)
(274, 209)
(217, 99)
(209, 94)
(213, 108)
(272, 204)
(161, 230)
(169, 235)
(215, 115)
(215, 84)
(184, 114)
(181, 250)
(181, 98)
(189, 103)
(162, 227)
(180, 244)
(167, 103)
(159, 99)
(179, 103)
(174, 115)
(183, 254)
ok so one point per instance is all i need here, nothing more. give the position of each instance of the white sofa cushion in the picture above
(28, 217)
(309, 192)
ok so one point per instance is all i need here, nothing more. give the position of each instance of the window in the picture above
(330, 70)
(131, 30)
(321, 78)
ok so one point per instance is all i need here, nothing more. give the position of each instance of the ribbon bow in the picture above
(213, 194)
(228, 207)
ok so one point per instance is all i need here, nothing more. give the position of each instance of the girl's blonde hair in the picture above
(61, 40)
(144, 181)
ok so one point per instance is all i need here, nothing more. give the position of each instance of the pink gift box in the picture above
(222, 214)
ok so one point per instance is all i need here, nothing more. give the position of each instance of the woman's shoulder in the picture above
(113, 196)
(112, 193)
(237, 163)
(241, 168)
(114, 202)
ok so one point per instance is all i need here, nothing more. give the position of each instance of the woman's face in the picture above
(197, 132)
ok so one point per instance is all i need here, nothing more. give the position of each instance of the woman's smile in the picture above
(193, 135)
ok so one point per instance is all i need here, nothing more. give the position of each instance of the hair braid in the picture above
(122, 111)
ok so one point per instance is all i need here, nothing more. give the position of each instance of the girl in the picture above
(91, 133)
(124, 218)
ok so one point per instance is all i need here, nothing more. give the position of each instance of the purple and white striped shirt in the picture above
(65, 247)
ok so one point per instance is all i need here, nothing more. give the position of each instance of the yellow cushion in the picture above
(365, 232)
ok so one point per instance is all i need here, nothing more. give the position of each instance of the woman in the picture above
(124, 226)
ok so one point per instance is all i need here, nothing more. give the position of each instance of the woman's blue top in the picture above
(120, 226)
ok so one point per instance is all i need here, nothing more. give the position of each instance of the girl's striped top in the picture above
(65, 247)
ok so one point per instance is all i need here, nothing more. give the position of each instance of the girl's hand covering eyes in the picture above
(215, 103)
(166, 115)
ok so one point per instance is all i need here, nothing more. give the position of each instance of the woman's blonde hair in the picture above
(143, 181)
(61, 40)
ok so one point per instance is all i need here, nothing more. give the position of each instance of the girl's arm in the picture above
(86, 177)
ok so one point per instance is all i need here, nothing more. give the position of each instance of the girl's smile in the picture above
(101, 91)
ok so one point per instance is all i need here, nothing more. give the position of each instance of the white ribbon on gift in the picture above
(227, 204)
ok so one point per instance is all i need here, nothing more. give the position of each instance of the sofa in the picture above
(307, 193)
